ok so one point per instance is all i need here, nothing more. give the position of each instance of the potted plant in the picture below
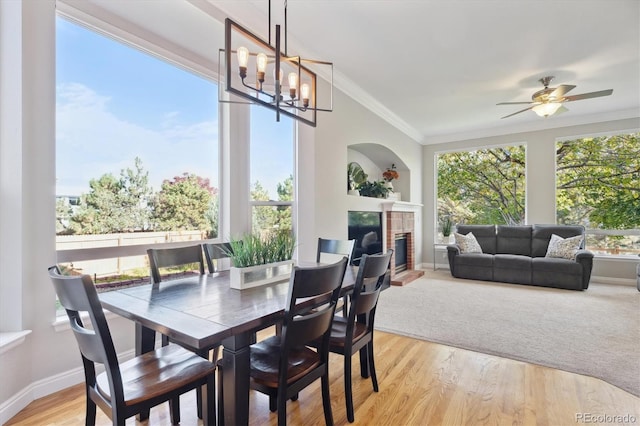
(355, 177)
(376, 189)
(389, 175)
(446, 228)
(259, 260)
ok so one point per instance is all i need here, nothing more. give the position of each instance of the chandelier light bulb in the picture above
(261, 63)
(304, 94)
(243, 59)
(293, 84)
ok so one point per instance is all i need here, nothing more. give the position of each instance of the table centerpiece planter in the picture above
(261, 259)
(257, 275)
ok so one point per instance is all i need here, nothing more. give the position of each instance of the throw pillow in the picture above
(368, 239)
(467, 243)
(565, 248)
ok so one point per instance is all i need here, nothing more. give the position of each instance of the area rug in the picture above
(594, 332)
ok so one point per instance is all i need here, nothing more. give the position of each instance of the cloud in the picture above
(92, 140)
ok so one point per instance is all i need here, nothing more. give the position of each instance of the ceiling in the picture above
(434, 68)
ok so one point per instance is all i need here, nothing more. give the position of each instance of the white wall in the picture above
(541, 182)
(350, 123)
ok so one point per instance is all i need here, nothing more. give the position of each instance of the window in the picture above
(486, 186)
(136, 155)
(598, 186)
(272, 162)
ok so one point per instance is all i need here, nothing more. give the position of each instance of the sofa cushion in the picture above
(485, 234)
(514, 240)
(565, 248)
(512, 268)
(475, 266)
(467, 243)
(541, 235)
(556, 272)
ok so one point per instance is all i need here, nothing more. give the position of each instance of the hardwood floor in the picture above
(421, 383)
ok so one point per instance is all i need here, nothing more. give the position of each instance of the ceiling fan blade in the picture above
(588, 95)
(514, 103)
(518, 112)
(561, 90)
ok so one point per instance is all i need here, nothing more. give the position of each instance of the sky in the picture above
(115, 103)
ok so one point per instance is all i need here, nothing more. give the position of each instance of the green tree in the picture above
(483, 186)
(269, 218)
(115, 204)
(283, 213)
(63, 217)
(598, 181)
(213, 216)
(184, 203)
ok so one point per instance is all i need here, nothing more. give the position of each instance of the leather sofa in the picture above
(517, 254)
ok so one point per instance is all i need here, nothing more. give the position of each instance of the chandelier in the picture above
(254, 70)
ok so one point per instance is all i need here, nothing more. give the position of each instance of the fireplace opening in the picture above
(401, 252)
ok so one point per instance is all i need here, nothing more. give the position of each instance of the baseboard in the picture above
(612, 280)
(45, 387)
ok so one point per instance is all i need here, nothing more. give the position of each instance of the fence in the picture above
(117, 254)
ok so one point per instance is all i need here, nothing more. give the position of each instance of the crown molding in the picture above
(539, 125)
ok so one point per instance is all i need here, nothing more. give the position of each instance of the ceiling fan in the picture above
(549, 100)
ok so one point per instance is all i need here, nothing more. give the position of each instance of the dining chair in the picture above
(354, 333)
(336, 247)
(284, 364)
(213, 252)
(128, 388)
(170, 257)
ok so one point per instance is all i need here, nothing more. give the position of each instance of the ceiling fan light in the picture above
(546, 109)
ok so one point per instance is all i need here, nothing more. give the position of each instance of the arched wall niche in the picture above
(375, 159)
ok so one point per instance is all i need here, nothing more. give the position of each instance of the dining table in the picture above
(202, 312)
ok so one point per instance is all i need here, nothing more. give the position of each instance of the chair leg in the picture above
(372, 366)
(348, 396)
(90, 419)
(282, 409)
(174, 410)
(326, 400)
(220, 397)
(364, 362)
(199, 402)
(273, 404)
(208, 402)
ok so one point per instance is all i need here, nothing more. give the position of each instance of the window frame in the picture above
(131, 37)
(595, 231)
(436, 154)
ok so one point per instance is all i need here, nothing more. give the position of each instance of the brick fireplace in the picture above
(401, 226)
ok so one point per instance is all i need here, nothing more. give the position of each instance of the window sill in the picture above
(617, 257)
(11, 339)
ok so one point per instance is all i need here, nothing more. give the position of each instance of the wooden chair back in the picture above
(322, 283)
(214, 252)
(338, 247)
(166, 258)
(371, 276)
(77, 294)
